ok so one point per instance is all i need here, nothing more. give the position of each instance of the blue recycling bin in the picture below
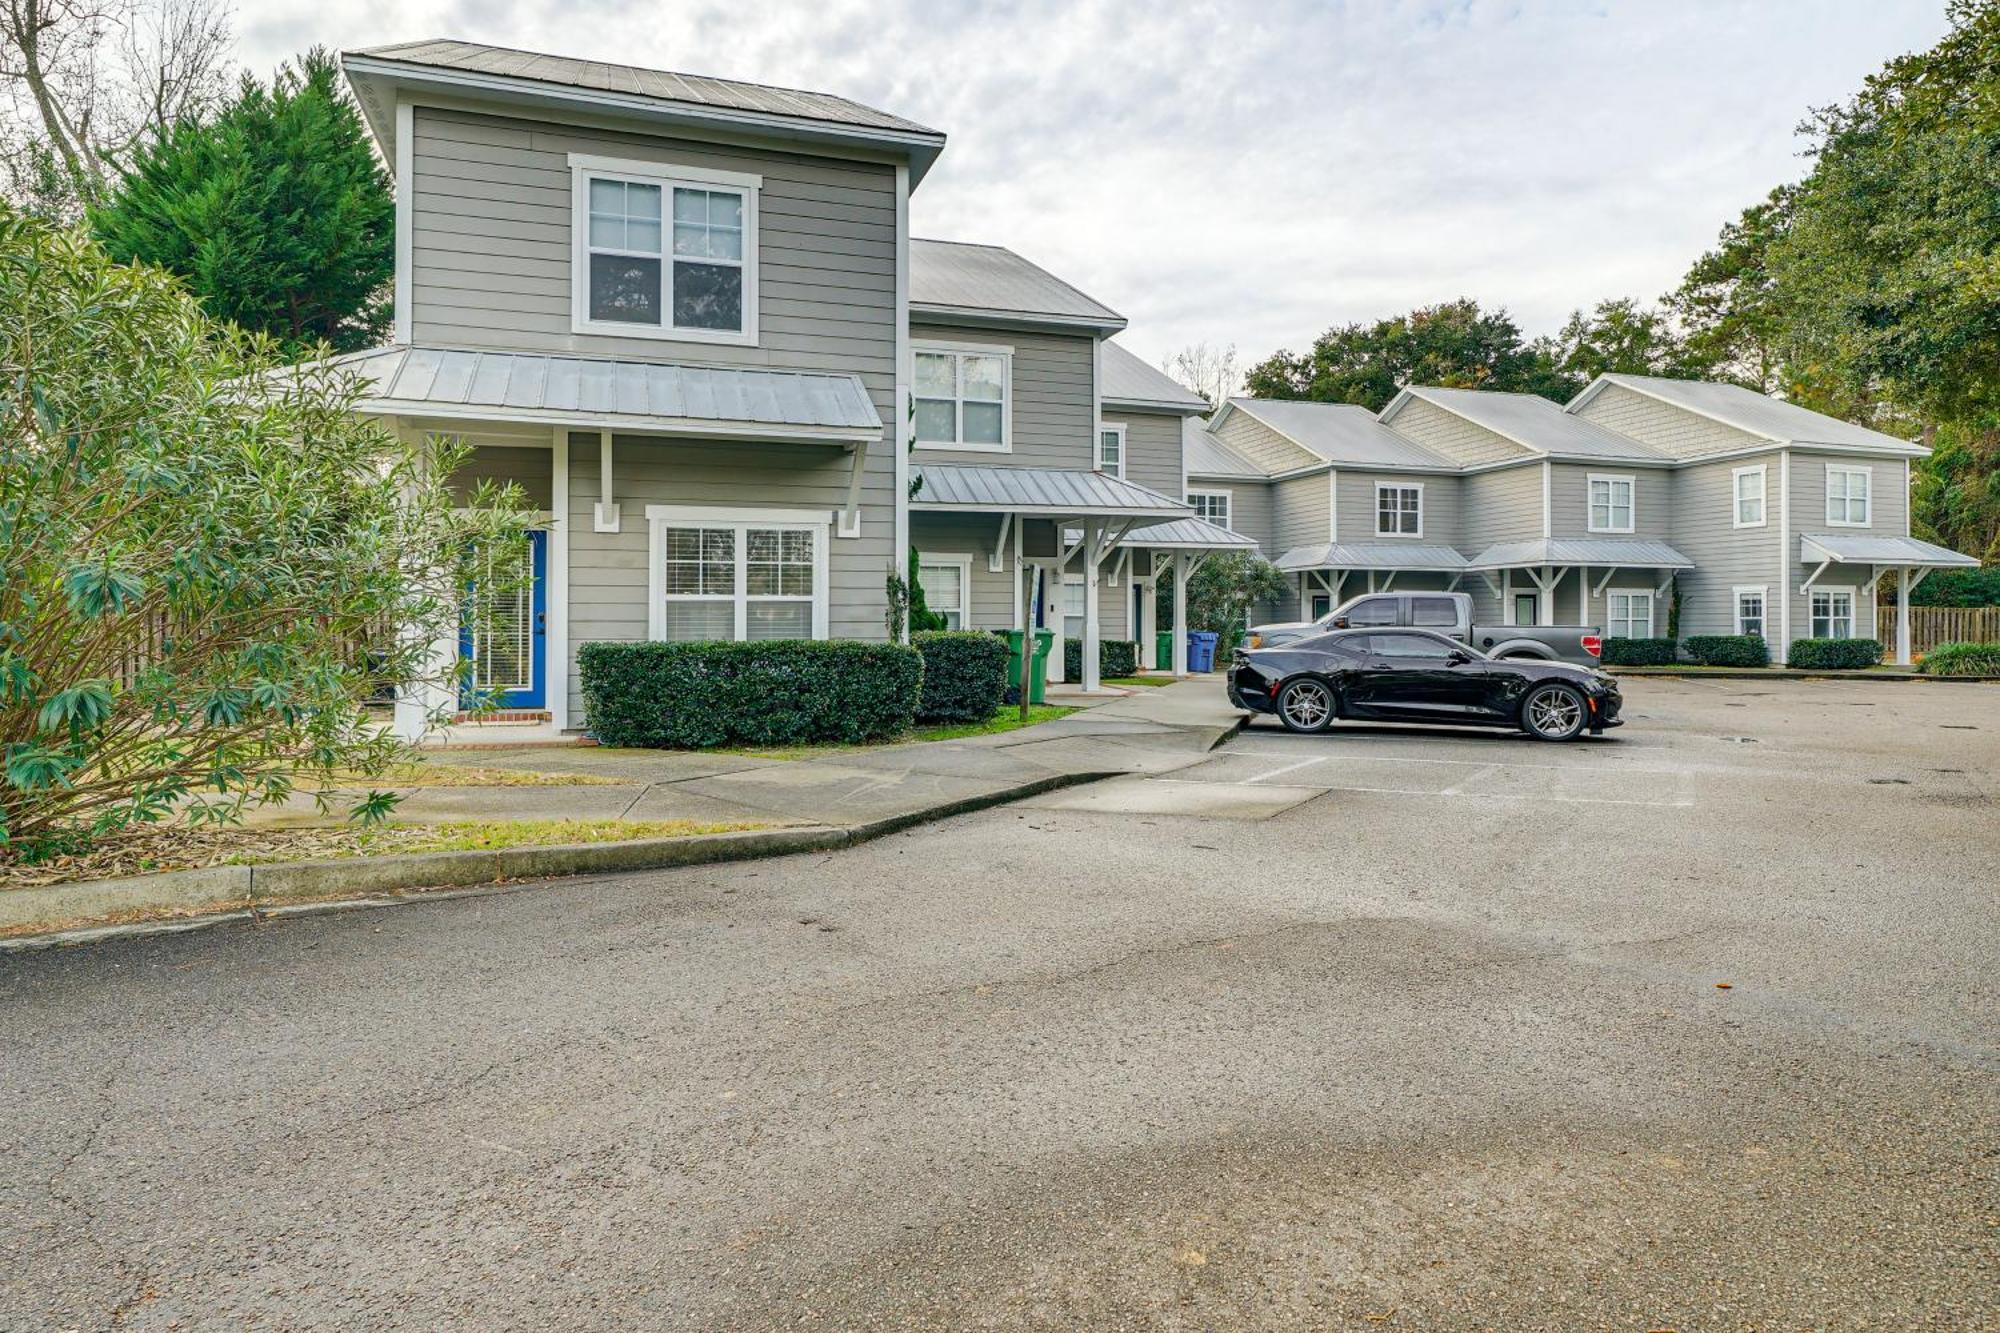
(1201, 650)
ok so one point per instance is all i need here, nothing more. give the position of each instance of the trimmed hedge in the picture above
(1638, 652)
(1962, 659)
(1115, 657)
(1728, 650)
(965, 675)
(778, 692)
(1834, 654)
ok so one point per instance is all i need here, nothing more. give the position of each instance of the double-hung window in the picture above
(1847, 496)
(1399, 510)
(664, 252)
(962, 397)
(1610, 504)
(1629, 615)
(1211, 505)
(945, 581)
(1750, 611)
(733, 574)
(1111, 450)
(1748, 496)
(1832, 614)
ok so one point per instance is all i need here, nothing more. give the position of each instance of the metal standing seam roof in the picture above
(958, 277)
(1637, 553)
(1341, 433)
(664, 85)
(1754, 413)
(1203, 455)
(1371, 555)
(642, 395)
(1037, 490)
(1871, 549)
(1535, 423)
(1127, 380)
(1188, 534)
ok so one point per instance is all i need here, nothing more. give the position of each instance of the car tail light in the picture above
(1274, 688)
(1593, 645)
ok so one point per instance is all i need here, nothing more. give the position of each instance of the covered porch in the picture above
(1871, 557)
(1329, 574)
(1184, 543)
(1536, 582)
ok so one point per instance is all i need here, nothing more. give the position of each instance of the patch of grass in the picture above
(1130, 681)
(1007, 719)
(440, 773)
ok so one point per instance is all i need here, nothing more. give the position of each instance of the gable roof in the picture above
(1202, 455)
(1341, 433)
(1126, 381)
(990, 283)
(1530, 421)
(1753, 413)
(533, 75)
(1056, 492)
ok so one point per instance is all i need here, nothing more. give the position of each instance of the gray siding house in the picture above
(1763, 517)
(687, 316)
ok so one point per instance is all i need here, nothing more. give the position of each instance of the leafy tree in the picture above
(1222, 591)
(922, 618)
(1618, 336)
(1455, 345)
(208, 562)
(276, 212)
(1730, 320)
(1955, 587)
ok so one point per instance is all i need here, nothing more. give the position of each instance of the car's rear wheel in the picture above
(1306, 705)
(1554, 713)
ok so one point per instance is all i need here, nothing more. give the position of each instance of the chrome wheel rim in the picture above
(1308, 705)
(1555, 711)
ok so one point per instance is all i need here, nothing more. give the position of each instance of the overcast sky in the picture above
(1252, 173)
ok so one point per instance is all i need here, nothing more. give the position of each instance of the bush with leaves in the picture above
(1834, 654)
(1220, 594)
(965, 675)
(1115, 658)
(204, 556)
(1727, 650)
(1962, 659)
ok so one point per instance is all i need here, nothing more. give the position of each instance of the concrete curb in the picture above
(181, 900)
(1792, 673)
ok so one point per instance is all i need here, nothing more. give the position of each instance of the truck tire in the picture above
(1306, 706)
(1554, 713)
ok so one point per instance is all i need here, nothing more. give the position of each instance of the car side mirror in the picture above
(1340, 622)
(1458, 657)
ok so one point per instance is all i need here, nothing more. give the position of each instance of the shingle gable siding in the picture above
(1672, 430)
(1452, 435)
(1262, 445)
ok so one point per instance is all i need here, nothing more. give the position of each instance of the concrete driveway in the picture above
(1424, 1031)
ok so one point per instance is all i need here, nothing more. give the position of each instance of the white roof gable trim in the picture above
(1755, 414)
(1857, 549)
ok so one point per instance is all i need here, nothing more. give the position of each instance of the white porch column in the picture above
(1183, 568)
(1051, 581)
(1149, 615)
(1545, 605)
(432, 701)
(1093, 556)
(1903, 589)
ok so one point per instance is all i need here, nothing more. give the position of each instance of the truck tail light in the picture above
(1593, 645)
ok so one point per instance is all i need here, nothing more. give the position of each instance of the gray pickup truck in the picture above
(1446, 613)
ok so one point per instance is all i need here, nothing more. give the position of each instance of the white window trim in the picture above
(1867, 499)
(1105, 428)
(1590, 523)
(1006, 353)
(1228, 499)
(661, 517)
(963, 563)
(1416, 486)
(1736, 607)
(1853, 616)
(1652, 620)
(1736, 498)
(583, 166)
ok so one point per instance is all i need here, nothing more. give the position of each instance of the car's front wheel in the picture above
(1554, 713)
(1306, 705)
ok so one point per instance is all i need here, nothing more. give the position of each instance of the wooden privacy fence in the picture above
(1933, 625)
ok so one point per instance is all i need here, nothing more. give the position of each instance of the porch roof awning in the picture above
(1036, 491)
(655, 397)
(1630, 552)
(1372, 555)
(1188, 534)
(1858, 549)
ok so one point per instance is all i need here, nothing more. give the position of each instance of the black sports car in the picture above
(1412, 675)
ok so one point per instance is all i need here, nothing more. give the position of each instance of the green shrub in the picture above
(1963, 659)
(965, 675)
(1638, 652)
(1115, 657)
(1834, 654)
(780, 692)
(1728, 650)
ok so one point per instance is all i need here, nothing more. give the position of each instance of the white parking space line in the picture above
(1484, 770)
(1514, 796)
(1290, 768)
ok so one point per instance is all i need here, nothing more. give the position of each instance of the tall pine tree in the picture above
(275, 213)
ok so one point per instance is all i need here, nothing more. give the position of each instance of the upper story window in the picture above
(1610, 504)
(1399, 510)
(963, 397)
(664, 252)
(1847, 496)
(1748, 496)
(1212, 506)
(1111, 449)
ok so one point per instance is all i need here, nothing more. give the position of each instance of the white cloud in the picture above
(1252, 173)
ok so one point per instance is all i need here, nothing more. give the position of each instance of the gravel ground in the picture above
(1445, 1043)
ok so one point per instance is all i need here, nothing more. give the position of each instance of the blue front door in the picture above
(507, 644)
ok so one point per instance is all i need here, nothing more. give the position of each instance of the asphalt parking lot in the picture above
(1691, 1027)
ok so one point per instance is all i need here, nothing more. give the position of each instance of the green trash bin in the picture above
(1163, 650)
(1038, 669)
